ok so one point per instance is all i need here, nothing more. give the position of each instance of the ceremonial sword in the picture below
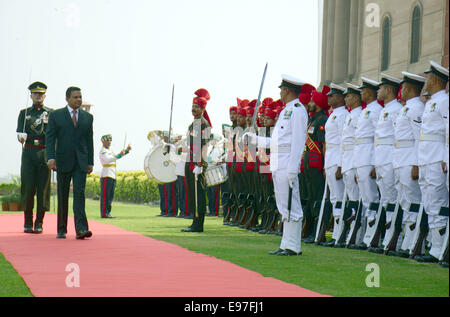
(171, 110)
(26, 111)
(259, 97)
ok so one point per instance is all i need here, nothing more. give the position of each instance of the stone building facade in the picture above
(367, 37)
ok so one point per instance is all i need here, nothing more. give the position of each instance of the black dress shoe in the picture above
(330, 243)
(28, 230)
(444, 264)
(38, 228)
(339, 245)
(109, 216)
(83, 234)
(361, 246)
(288, 252)
(426, 259)
(61, 236)
(309, 240)
(276, 252)
(399, 253)
(191, 230)
(376, 250)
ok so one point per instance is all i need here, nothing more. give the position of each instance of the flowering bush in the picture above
(133, 187)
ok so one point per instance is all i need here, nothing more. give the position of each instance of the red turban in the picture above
(267, 101)
(252, 104)
(270, 113)
(321, 98)
(233, 108)
(305, 93)
(242, 111)
(202, 100)
(250, 111)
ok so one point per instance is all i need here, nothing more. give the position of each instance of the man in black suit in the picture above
(70, 150)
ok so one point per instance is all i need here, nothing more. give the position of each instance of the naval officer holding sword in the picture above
(286, 147)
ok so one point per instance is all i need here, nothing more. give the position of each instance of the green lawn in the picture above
(337, 272)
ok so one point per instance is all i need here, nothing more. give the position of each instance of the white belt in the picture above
(404, 143)
(331, 145)
(363, 140)
(348, 147)
(281, 148)
(384, 141)
(432, 137)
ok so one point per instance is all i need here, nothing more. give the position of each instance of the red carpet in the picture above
(116, 262)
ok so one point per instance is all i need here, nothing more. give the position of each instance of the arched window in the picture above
(415, 35)
(385, 43)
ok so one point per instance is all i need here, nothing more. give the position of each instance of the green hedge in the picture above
(133, 187)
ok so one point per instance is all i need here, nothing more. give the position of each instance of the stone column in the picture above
(330, 40)
(353, 38)
(341, 37)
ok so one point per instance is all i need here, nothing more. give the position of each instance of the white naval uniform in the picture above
(333, 136)
(406, 147)
(384, 155)
(108, 161)
(347, 169)
(432, 180)
(347, 149)
(286, 148)
(364, 162)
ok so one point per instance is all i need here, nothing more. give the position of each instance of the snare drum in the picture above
(215, 175)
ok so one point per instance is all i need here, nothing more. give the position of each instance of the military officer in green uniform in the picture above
(35, 175)
(313, 161)
(198, 137)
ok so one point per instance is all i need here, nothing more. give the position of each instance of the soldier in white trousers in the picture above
(364, 159)
(287, 143)
(384, 154)
(333, 162)
(406, 147)
(353, 101)
(432, 156)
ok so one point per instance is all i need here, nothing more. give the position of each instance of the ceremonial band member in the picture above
(286, 148)
(198, 135)
(313, 161)
(333, 159)
(34, 174)
(70, 150)
(407, 132)
(108, 175)
(432, 158)
(384, 155)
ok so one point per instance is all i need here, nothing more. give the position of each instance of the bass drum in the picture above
(158, 167)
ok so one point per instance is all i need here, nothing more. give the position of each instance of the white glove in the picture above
(197, 170)
(168, 147)
(22, 137)
(292, 177)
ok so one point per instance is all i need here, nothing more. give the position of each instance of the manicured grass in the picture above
(337, 272)
(11, 284)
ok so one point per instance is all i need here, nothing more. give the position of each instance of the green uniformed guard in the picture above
(34, 173)
(313, 161)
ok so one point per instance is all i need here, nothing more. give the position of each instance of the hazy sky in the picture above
(125, 56)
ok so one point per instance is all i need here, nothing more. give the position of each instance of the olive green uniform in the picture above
(312, 178)
(194, 159)
(35, 175)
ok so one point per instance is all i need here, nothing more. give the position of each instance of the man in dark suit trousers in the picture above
(70, 150)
